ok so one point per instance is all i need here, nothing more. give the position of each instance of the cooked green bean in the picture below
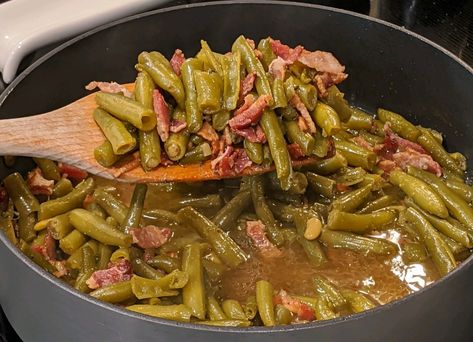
(59, 226)
(378, 203)
(321, 185)
(6, 223)
(359, 120)
(335, 100)
(437, 247)
(149, 288)
(176, 145)
(231, 80)
(298, 184)
(178, 312)
(356, 155)
(306, 92)
(313, 251)
(399, 124)
(279, 94)
(349, 201)
(72, 200)
(193, 114)
(209, 91)
(23, 200)
(462, 189)
(250, 307)
(72, 242)
(282, 315)
(133, 217)
(264, 46)
(254, 151)
(230, 253)
(413, 252)
(360, 223)
(263, 212)
(158, 67)
(62, 188)
(328, 166)
(327, 290)
(165, 263)
(142, 269)
(233, 309)
(227, 216)
(112, 205)
(193, 294)
(114, 130)
(295, 135)
(25, 227)
(264, 300)
(160, 217)
(115, 293)
(227, 323)
(252, 64)
(96, 227)
(356, 243)
(103, 255)
(323, 310)
(37, 258)
(214, 310)
(48, 168)
(198, 154)
(420, 192)
(277, 146)
(326, 118)
(358, 302)
(105, 155)
(220, 120)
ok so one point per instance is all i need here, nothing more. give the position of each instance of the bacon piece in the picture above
(126, 164)
(240, 160)
(116, 272)
(87, 200)
(149, 254)
(207, 132)
(163, 120)
(252, 44)
(360, 141)
(411, 157)
(61, 269)
(401, 143)
(165, 161)
(231, 161)
(285, 52)
(295, 151)
(254, 135)
(387, 165)
(277, 68)
(73, 172)
(248, 101)
(177, 126)
(176, 61)
(150, 236)
(302, 124)
(39, 185)
(301, 108)
(109, 87)
(321, 61)
(303, 311)
(256, 230)
(48, 248)
(252, 115)
(246, 85)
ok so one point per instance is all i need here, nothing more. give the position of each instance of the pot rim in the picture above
(192, 326)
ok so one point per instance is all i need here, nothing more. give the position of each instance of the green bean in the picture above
(349, 201)
(264, 46)
(227, 323)
(351, 176)
(371, 138)
(420, 192)
(250, 307)
(176, 244)
(165, 263)
(399, 124)
(282, 315)
(103, 255)
(105, 155)
(142, 269)
(199, 202)
(149, 288)
(115, 132)
(174, 312)
(228, 214)
(327, 290)
(114, 293)
(227, 250)
(75, 259)
(359, 120)
(335, 100)
(460, 160)
(283, 212)
(96, 209)
(214, 310)
(313, 251)
(37, 258)
(326, 118)
(23, 200)
(263, 212)
(438, 249)
(198, 154)
(213, 270)
(193, 114)
(124, 109)
(465, 191)
(59, 226)
(298, 183)
(133, 217)
(150, 149)
(88, 267)
(233, 309)
(209, 88)
(158, 67)
(295, 135)
(63, 204)
(306, 92)
(279, 95)
(144, 87)
(358, 302)
(328, 166)
(6, 223)
(220, 120)
(176, 145)
(112, 205)
(25, 227)
(193, 294)
(436, 150)
(231, 80)
(96, 227)
(211, 58)
(62, 188)
(160, 217)
(277, 146)
(288, 113)
(321, 185)
(264, 300)
(378, 203)
(72, 242)
(356, 243)
(413, 252)
(252, 64)
(310, 301)
(49, 169)
(254, 151)
(267, 158)
(323, 311)
(120, 253)
(360, 223)
(356, 155)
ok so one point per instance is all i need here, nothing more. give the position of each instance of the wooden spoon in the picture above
(70, 135)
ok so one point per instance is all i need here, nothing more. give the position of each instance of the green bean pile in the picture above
(167, 251)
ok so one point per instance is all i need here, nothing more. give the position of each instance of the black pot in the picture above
(388, 67)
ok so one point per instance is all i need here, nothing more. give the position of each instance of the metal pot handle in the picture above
(26, 25)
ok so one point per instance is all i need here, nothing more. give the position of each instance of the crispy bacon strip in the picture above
(301, 108)
(256, 230)
(116, 272)
(176, 61)
(360, 141)
(254, 135)
(72, 172)
(411, 157)
(321, 61)
(163, 120)
(208, 132)
(277, 68)
(248, 101)
(177, 126)
(252, 115)
(109, 87)
(37, 184)
(303, 311)
(151, 236)
(48, 248)
(288, 54)
(246, 85)
(295, 151)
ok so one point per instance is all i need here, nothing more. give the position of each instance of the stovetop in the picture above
(448, 23)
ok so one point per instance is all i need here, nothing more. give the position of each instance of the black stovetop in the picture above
(448, 23)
